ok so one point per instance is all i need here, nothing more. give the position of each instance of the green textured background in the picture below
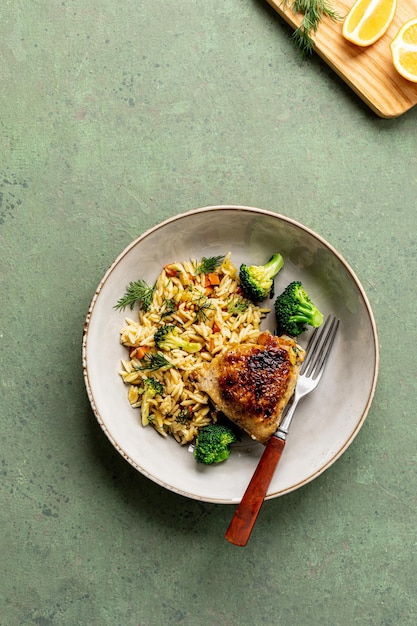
(114, 116)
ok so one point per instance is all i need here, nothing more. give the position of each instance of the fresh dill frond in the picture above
(208, 265)
(153, 361)
(202, 304)
(138, 291)
(170, 307)
(237, 305)
(313, 12)
(302, 38)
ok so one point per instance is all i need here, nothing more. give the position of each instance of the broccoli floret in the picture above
(167, 337)
(213, 444)
(152, 388)
(257, 281)
(294, 310)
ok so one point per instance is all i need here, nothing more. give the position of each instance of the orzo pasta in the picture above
(206, 308)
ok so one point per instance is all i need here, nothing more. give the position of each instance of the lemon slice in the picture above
(404, 50)
(368, 20)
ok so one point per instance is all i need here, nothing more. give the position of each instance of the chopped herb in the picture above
(184, 416)
(170, 307)
(138, 291)
(238, 305)
(202, 304)
(209, 264)
(153, 361)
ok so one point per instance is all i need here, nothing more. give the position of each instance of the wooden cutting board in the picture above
(368, 71)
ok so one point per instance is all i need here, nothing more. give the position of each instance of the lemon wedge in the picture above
(404, 50)
(368, 20)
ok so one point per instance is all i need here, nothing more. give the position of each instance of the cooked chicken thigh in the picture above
(252, 383)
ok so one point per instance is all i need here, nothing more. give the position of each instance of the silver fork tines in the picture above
(319, 347)
(317, 354)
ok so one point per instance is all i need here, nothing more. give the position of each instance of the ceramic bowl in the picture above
(326, 422)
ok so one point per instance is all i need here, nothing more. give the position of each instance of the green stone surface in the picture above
(114, 116)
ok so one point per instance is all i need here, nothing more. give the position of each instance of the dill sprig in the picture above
(136, 291)
(153, 361)
(202, 304)
(208, 265)
(237, 305)
(313, 12)
(170, 307)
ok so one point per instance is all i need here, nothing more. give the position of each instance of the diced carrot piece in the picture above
(216, 328)
(170, 271)
(138, 353)
(214, 279)
(209, 291)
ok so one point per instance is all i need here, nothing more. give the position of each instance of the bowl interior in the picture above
(326, 421)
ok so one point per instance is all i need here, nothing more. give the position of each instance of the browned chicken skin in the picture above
(252, 383)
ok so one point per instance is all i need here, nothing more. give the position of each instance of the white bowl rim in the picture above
(275, 215)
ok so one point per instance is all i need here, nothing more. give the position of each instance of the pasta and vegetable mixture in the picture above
(193, 312)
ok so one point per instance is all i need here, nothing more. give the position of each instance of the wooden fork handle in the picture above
(244, 519)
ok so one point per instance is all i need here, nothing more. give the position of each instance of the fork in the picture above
(317, 354)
